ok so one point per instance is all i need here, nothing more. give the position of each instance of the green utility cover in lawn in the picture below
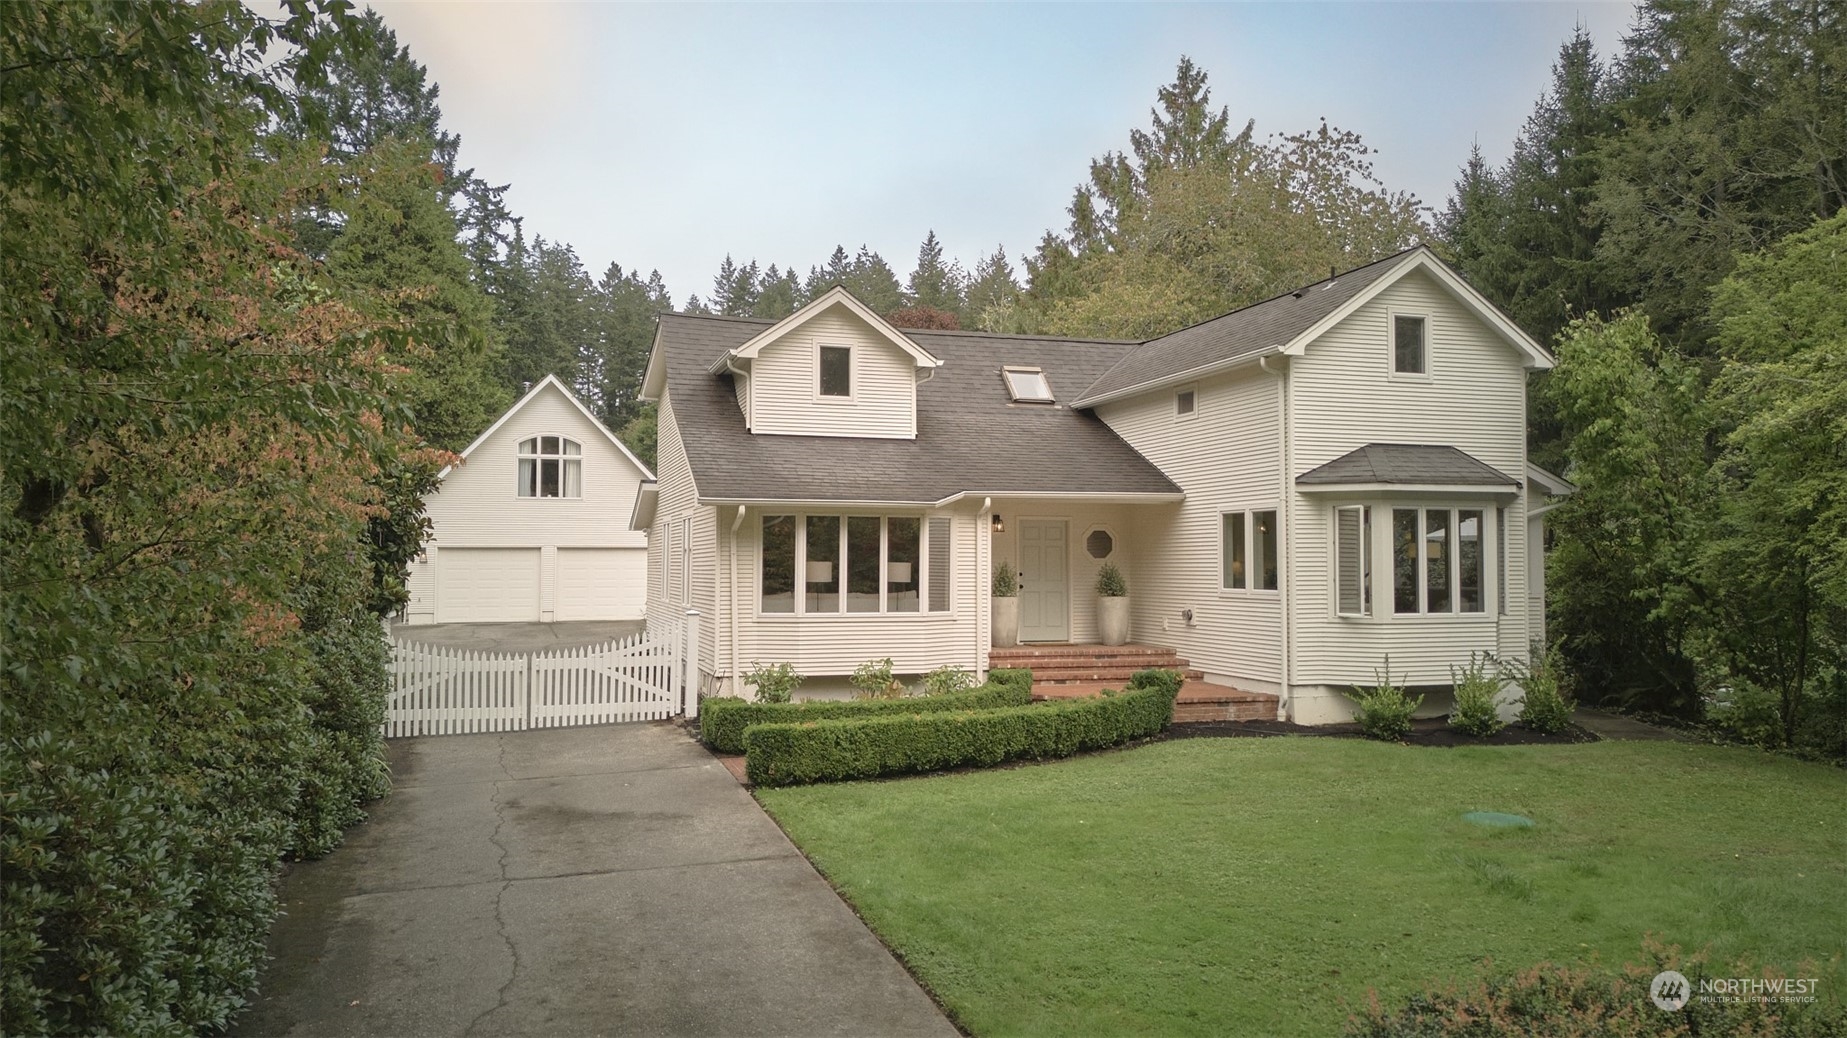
(1498, 820)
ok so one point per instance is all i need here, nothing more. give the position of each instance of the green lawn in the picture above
(1245, 886)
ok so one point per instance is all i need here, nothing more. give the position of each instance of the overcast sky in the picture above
(666, 136)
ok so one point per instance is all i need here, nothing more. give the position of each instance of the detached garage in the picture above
(530, 524)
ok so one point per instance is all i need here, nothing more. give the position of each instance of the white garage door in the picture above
(602, 583)
(487, 585)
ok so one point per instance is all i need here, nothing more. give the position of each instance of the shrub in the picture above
(833, 750)
(1477, 686)
(1551, 1000)
(1546, 707)
(1385, 710)
(723, 720)
(1110, 583)
(774, 684)
(1006, 583)
(947, 679)
(873, 680)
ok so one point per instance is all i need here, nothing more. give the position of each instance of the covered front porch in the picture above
(1074, 671)
(1056, 546)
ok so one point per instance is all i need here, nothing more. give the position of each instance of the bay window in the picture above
(1437, 561)
(832, 564)
(1353, 560)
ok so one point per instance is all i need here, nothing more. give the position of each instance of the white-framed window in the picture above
(832, 564)
(1411, 345)
(1027, 385)
(1186, 401)
(833, 372)
(1352, 560)
(1437, 560)
(550, 466)
(1248, 550)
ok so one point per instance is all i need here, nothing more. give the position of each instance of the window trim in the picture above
(852, 373)
(1253, 566)
(538, 457)
(1391, 346)
(924, 578)
(1191, 391)
(686, 561)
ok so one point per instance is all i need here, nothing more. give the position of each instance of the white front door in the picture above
(1045, 598)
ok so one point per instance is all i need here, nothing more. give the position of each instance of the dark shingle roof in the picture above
(1406, 463)
(1238, 335)
(970, 438)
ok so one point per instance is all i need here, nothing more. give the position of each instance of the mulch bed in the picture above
(1428, 731)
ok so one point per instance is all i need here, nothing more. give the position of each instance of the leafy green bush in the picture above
(1110, 583)
(1006, 582)
(1477, 686)
(1546, 707)
(947, 679)
(723, 720)
(1385, 709)
(834, 750)
(1551, 1001)
(873, 680)
(773, 684)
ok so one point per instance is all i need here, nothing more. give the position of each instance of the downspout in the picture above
(1285, 705)
(731, 607)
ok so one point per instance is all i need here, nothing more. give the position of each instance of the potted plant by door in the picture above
(1112, 605)
(1006, 631)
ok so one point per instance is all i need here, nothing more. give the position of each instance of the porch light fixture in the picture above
(1000, 525)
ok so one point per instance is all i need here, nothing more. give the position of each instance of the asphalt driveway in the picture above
(612, 881)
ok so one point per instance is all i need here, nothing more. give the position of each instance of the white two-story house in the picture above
(1295, 491)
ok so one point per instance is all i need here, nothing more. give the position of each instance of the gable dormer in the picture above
(832, 368)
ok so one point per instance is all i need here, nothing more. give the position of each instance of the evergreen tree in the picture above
(694, 306)
(992, 293)
(779, 293)
(398, 243)
(934, 284)
(873, 282)
(554, 330)
(625, 310)
(734, 289)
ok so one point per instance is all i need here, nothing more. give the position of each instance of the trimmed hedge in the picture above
(867, 747)
(722, 720)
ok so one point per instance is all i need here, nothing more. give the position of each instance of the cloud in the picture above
(508, 71)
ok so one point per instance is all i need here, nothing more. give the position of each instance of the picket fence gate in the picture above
(443, 690)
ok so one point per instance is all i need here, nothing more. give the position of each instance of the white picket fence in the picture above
(441, 690)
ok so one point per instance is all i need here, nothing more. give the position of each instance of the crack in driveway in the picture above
(506, 883)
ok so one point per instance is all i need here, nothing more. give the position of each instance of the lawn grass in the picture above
(1262, 886)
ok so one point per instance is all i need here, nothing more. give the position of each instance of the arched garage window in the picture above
(550, 466)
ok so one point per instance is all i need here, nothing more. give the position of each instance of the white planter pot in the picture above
(1006, 633)
(1113, 620)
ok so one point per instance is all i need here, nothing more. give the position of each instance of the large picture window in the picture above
(831, 564)
(1437, 560)
(550, 466)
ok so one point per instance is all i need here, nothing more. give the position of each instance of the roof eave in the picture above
(1217, 367)
(1407, 488)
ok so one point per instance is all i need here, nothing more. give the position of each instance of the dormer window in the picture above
(1027, 385)
(837, 371)
(550, 466)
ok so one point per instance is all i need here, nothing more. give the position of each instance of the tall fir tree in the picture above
(779, 293)
(992, 293)
(935, 284)
(624, 307)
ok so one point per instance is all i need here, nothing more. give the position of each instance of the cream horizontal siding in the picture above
(1226, 457)
(1343, 396)
(677, 500)
(478, 505)
(834, 644)
(784, 388)
(740, 385)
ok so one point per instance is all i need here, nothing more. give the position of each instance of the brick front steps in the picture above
(1075, 671)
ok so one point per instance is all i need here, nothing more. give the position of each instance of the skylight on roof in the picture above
(1027, 385)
